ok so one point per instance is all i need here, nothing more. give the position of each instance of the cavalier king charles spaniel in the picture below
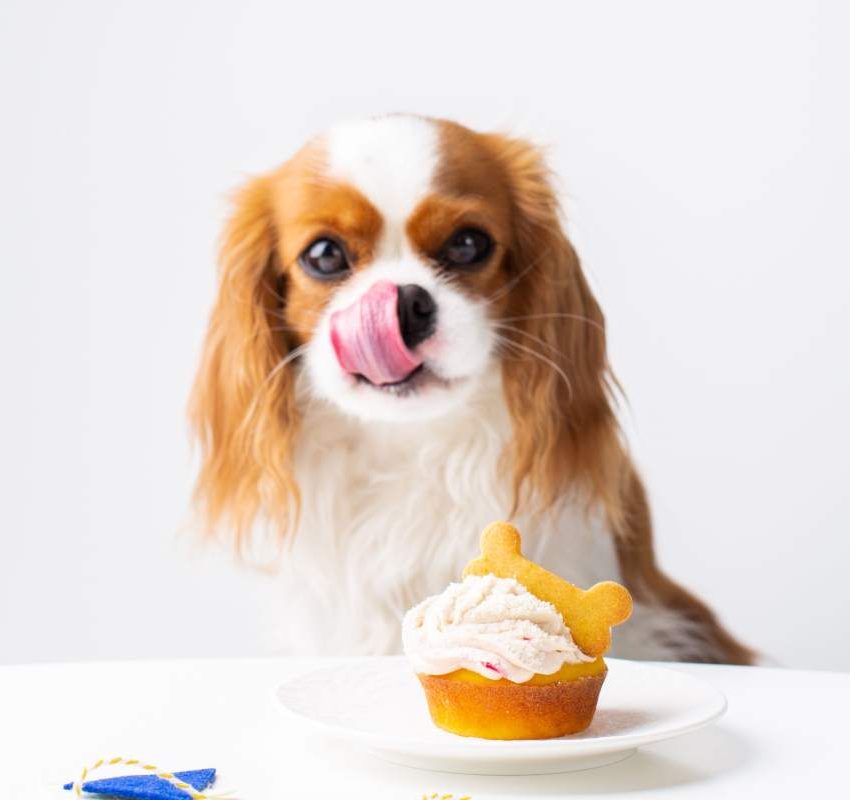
(404, 348)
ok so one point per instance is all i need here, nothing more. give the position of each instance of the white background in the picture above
(703, 154)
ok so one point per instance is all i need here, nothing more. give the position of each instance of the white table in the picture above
(786, 734)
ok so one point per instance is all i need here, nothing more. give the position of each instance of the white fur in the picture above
(391, 160)
(391, 514)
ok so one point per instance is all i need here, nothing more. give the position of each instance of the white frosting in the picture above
(492, 626)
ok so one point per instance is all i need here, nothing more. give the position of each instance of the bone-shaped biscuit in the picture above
(589, 615)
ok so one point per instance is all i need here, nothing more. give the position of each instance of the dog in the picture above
(404, 348)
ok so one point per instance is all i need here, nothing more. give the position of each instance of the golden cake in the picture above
(513, 651)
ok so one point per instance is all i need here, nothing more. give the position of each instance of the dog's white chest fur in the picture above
(392, 513)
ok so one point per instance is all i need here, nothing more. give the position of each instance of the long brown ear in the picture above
(243, 408)
(556, 377)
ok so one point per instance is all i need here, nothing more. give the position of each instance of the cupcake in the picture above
(495, 652)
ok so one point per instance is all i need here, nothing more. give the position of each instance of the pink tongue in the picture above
(367, 338)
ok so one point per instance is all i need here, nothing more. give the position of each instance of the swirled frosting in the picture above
(492, 626)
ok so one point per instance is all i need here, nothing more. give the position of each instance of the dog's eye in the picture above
(324, 259)
(466, 248)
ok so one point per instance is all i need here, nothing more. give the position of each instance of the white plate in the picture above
(378, 705)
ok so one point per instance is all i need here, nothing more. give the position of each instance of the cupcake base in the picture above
(502, 710)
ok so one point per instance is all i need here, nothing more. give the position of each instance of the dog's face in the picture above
(392, 242)
(393, 263)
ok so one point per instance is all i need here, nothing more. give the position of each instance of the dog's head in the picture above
(394, 263)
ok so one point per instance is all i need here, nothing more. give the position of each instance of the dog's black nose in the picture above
(417, 314)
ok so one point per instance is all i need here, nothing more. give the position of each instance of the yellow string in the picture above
(438, 796)
(166, 776)
(186, 787)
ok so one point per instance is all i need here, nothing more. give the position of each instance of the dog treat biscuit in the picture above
(589, 614)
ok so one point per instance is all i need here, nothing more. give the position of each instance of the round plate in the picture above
(378, 705)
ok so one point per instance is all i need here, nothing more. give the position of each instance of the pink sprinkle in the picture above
(526, 638)
(493, 667)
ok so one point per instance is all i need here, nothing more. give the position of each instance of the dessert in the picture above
(513, 651)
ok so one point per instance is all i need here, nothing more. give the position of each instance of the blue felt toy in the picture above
(148, 787)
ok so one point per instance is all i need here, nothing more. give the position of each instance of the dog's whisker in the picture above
(287, 359)
(315, 312)
(274, 293)
(555, 315)
(513, 282)
(554, 350)
(273, 313)
(532, 352)
(508, 287)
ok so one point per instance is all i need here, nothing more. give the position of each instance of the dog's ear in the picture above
(556, 378)
(243, 407)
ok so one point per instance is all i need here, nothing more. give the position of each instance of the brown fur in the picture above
(649, 585)
(243, 409)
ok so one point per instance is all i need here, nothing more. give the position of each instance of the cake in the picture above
(512, 651)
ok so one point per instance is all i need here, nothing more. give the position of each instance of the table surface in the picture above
(785, 735)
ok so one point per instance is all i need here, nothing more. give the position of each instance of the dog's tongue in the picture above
(367, 338)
